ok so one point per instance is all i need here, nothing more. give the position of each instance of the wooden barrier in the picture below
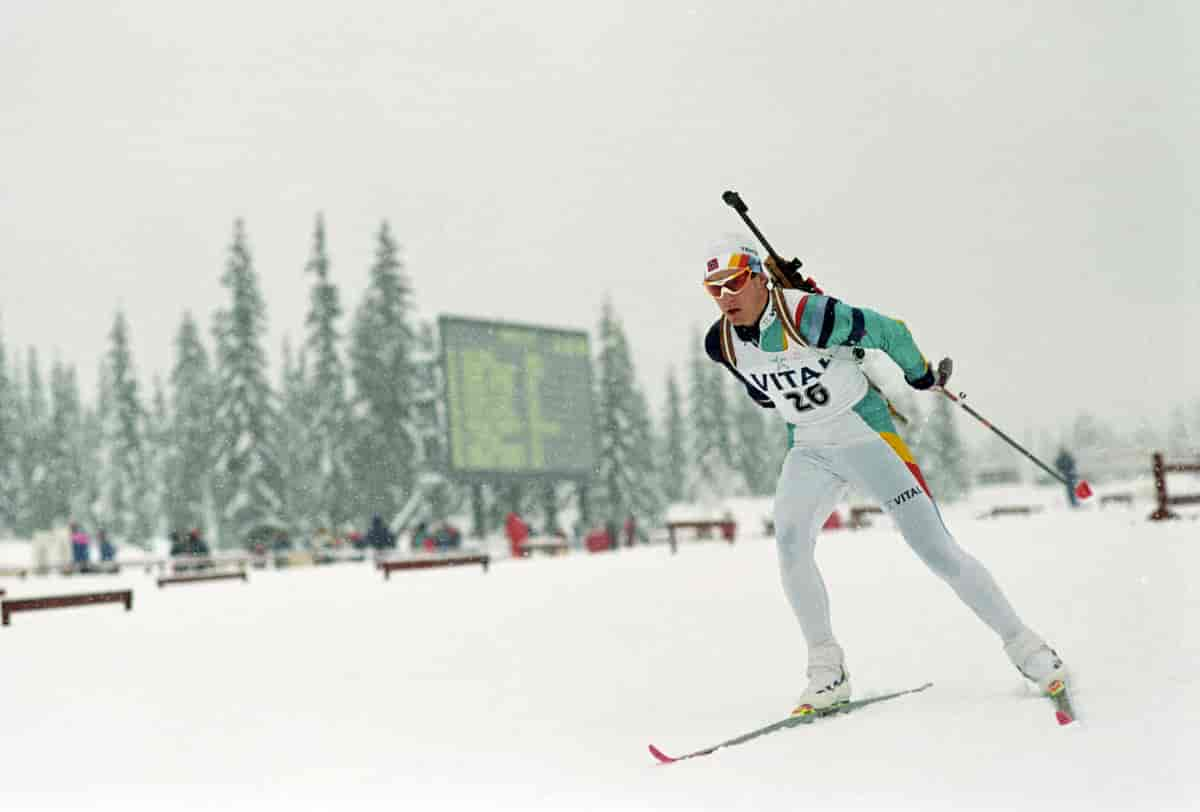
(58, 601)
(14, 572)
(1124, 498)
(1161, 469)
(2, 593)
(426, 563)
(211, 576)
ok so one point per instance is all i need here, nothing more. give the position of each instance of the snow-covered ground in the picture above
(539, 684)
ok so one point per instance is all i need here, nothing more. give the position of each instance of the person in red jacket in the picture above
(517, 532)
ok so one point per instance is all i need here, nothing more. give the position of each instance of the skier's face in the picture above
(742, 297)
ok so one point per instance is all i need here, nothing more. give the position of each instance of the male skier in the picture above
(803, 363)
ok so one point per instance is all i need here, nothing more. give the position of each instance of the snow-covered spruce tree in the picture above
(10, 475)
(942, 456)
(708, 418)
(753, 446)
(36, 472)
(65, 444)
(677, 462)
(158, 457)
(328, 423)
(190, 449)
(94, 449)
(125, 511)
(627, 479)
(246, 474)
(1183, 436)
(297, 444)
(381, 366)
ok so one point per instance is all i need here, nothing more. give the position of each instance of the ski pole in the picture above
(1082, 489)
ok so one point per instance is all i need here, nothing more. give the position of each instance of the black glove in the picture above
(933, 377)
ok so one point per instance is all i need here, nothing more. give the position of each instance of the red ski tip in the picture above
(660, 755)
(1061, 716)
(1083, 490)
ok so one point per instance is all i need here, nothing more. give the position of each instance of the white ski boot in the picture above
(1037, 662)
(828, 681)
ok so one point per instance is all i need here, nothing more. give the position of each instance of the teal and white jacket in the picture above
(808, 368)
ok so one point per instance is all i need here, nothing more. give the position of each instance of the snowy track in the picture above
(539, 684)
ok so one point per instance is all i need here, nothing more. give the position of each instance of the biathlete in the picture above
(798, 353)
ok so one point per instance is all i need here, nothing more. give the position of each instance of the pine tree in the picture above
(712, 455)
(676, 460)
(753, 446)
(942, 456)
(328, 423)
(381, 366)
(158, 457)
(627, 480)
(247, 482)
(125, 510)
(1183, 438)
(298, 453)
(64, 451)
(10, 445)
(38, 476)
(190, 455)
(1089, 436)
(89, 504)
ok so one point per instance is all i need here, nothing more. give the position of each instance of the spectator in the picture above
(196, 545)
(379, 536)
(323, 539)
(419, 534)
(107, 551)
(178, 544)
(517, 531)
(1065, 463)
(630, 529)
(599, 539)
(356, 540)
(447, 537)
(80, 542)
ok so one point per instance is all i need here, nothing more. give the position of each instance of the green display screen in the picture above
(518, 399)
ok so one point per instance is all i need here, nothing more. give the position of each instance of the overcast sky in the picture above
(1017, 181)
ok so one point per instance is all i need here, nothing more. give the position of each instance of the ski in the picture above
(791, 721)
(1063, 711)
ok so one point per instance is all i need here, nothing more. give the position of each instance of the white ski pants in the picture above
(813, 481)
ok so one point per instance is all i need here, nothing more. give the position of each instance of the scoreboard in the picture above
(518, 399)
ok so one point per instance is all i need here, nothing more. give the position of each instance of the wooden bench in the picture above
(190, 563)
(703, 529)
(426, 563)
(193, 579)
(547, 547)
(1011, 510)
(859, 512)
(7, 607)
